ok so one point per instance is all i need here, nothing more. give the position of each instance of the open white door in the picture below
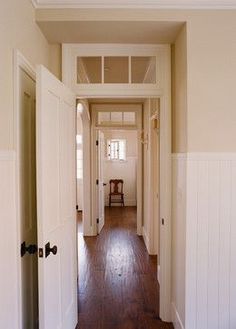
(56, 202)
(101, 196)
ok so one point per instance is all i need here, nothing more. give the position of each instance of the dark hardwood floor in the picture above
(118, 288)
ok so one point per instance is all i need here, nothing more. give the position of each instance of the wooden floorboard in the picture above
(118, 288)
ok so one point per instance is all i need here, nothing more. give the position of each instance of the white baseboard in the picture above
(176, 318)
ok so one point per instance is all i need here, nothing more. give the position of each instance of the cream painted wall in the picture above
(55, 60)
(126, 170)
(211, 54)
(179, 93)
(211, 68)
(17, 30)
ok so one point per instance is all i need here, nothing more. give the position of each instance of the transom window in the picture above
(116, 69)
(116, 149)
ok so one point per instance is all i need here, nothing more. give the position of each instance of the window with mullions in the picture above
(116, 149)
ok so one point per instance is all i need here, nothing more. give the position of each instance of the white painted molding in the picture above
(146, 239)
(153, 4)
(176, 318)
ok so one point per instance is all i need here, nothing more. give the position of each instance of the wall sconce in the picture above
(143, 138)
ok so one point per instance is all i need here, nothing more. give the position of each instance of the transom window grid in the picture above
(117, 70)
(116, 149)
(116, 118)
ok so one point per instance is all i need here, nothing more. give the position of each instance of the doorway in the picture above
(25, 87)
(119, 162)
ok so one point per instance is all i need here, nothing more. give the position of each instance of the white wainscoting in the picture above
(9, 257)
(178, 239)
(211, 241)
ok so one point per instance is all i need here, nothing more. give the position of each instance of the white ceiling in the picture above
(197, 4)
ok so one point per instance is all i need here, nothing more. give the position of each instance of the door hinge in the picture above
(97, 220)
(97, 181)
(77, 207)
(97, 142)
(40, 252)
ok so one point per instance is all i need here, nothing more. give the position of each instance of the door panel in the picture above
(56, 196)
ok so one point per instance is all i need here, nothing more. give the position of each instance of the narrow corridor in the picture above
(118, 288)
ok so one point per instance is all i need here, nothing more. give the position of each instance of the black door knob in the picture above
(49, 250)
(31, 249)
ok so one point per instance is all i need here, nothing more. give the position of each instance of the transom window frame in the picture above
(71, 52)
(114, 107)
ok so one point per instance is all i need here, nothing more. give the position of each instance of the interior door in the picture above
(56, 202)
(101, 196)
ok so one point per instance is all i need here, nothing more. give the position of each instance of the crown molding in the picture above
(130, 4)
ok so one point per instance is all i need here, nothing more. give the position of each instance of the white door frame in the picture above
(85, 116)
(164, 93)
(20, 63)
(165, 195)
(94, 130)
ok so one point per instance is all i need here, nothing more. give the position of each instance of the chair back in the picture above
(116, 186)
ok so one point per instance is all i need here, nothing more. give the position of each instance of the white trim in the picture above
(146, 239)
(176, 318)
(85, 117)
(161, 90)
(94, 129)
(132, 4)
(20, 62)
(70, 52)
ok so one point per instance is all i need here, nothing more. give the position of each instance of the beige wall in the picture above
(17, 30)
(55, 60)
(179, 93)
(211, 53)
(211, 70)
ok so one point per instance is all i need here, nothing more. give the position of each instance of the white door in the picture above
(56, 202)
(27, 200)
(101, 196)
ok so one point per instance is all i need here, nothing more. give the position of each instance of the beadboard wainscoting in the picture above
(9, 250)
(211, 241)
(178, 239)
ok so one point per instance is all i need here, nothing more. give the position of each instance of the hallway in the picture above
(117, 278)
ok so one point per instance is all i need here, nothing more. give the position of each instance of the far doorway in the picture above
(117, 171)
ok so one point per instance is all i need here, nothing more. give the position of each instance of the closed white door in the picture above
(101, 195)
(27, 201)
(56, 202)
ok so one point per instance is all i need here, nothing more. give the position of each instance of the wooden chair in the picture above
(116, 194)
